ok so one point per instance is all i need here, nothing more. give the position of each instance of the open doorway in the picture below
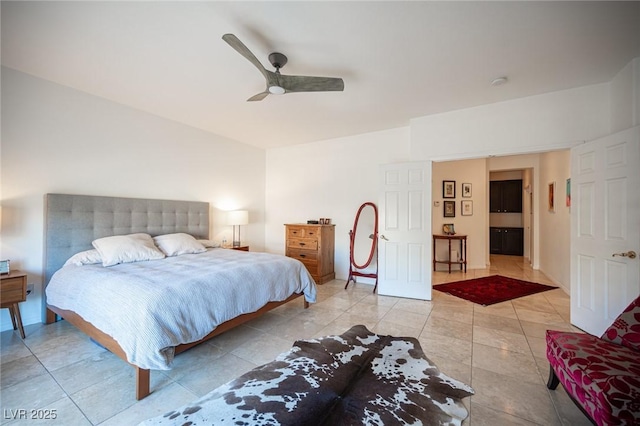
(542, 230)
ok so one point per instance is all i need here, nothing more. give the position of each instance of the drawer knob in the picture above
(301, 244)
(303, 255)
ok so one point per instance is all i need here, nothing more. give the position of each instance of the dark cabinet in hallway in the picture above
(506, 241)
(505, 196)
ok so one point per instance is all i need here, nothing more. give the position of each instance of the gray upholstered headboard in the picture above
(72, 222)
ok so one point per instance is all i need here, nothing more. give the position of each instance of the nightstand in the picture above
(242, 248)
(13, 289)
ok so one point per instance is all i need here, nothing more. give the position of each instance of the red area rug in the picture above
(494, 289)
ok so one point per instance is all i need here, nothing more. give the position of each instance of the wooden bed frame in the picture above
(143, 376)
(73, 221)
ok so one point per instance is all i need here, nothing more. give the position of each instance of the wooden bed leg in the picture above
(142, 383)
(306, 304)
(50, 317)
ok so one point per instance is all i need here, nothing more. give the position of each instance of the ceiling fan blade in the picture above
(234, 42)
(259, 96)
(300, 83)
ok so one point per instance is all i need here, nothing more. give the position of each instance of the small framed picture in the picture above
(552, 193)
(448, 229)
(449, 209)
(466, 190)
(466, 207)
(448, 189)
(4, 267)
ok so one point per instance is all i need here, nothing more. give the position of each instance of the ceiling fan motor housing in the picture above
(278, 60)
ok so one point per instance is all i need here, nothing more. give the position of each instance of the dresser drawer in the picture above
(301, 232)
(13, 290)
(303, 243)
(305, 256)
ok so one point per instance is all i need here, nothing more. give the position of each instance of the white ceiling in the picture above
(399, 60)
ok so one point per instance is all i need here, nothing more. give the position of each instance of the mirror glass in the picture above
(363, 241)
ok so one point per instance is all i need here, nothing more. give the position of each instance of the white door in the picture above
(605, 212)
(404, 230)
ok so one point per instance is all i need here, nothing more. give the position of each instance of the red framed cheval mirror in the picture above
(363, 245)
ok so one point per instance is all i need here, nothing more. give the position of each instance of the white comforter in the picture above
(150, 307)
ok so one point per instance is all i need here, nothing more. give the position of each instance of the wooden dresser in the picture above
(313, 245)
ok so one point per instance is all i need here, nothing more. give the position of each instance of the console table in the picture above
(463, 251)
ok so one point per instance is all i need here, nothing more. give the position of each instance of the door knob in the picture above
(630, 254)
(384, 238)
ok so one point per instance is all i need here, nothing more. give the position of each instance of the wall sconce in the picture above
(237, 218)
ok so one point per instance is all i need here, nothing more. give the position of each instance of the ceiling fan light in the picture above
(276, 90)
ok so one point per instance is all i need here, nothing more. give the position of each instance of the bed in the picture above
(107, 303)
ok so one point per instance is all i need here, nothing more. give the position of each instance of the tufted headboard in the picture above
(72, 222)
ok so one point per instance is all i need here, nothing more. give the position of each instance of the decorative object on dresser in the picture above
(4, 267)
(14, 291)
(370, 219)
(237, 218)
(313, 245)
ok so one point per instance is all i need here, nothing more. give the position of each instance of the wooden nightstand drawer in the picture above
(303, 243)
(14, 289)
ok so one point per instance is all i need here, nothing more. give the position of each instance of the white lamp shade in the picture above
(238, 217)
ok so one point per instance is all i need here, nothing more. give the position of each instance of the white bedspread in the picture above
(150, 307)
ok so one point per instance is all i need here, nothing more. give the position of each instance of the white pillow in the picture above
(88, 257)
(127, 248)
(209, 243)
(177, 244)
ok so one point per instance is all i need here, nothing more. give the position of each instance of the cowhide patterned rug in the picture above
(354, 378)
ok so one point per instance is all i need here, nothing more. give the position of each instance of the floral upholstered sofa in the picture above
(602, 375)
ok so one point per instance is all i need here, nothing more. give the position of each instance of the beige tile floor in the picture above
(499, 350)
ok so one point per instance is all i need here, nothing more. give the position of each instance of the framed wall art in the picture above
(466, 190)
(449, 209)
(552, 194)
(466, 207)
(448, 189)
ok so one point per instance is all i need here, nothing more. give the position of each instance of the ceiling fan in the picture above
(278, 84)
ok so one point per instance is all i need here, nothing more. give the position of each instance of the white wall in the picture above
(332, 178)
(555, 237)
(625, 97)
(55, 139)
(474, 226)
(533, 124)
